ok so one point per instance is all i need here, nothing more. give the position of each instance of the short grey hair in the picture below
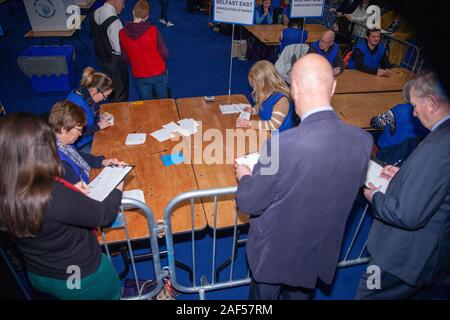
(428, 84)
(407, 90)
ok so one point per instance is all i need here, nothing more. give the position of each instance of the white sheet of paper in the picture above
(244, 115)
(135, 138)
(162, 135)
(171, 126)
(136, 194)
(106, 181)
(249, 160)
(189, 124)
(373, 176)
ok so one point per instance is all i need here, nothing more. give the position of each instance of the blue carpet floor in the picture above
(199, 65)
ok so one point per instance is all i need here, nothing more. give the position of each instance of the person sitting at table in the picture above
(273, 99)
(49, 219)
(402, 131)
(370, 56)
(94, 88)
(67, 121)
(264, 13)
(143, 47)
(327, 48)
(293, 34)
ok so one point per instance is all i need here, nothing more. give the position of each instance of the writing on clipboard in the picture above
(107, 180)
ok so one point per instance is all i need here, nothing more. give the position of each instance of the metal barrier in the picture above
(154, 229)
(204, 285)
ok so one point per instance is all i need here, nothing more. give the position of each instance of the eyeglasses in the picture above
(80, 130)
(105, 97)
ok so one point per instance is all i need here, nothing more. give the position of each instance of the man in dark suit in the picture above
(299, 209)
(410, 237)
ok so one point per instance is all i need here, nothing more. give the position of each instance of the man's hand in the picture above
(383, 73)
(104, 123)
(389, 172)
(348, 17)
(113, 162)
(368, 192)
(336, 71)
(242, 170)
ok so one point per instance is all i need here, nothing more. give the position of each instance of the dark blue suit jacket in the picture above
(410, 237)
(298, 215)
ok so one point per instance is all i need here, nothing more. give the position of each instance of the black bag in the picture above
(103, 49)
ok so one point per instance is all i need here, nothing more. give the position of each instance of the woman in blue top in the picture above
(272, 97)
(67, 121)
(293, 34)
(264, 13)
(94, 88)
(402, 130)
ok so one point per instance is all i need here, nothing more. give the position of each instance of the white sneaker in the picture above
(162, 21)
(169, 24)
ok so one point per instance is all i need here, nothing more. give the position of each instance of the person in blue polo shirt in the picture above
(264, 13)
(370, 56)
(293, 34)
(327, 48)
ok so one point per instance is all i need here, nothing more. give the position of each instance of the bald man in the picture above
(298, 214)
(327, 48)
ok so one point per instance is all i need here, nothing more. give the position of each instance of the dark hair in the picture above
(29, 164)
(65, 114)
(298, 22)
(369, 31)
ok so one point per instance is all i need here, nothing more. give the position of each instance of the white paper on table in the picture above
(373, 176)
(183, 131)
(135, 138)
(171, 126)
(244, 115)
(249, 160)
(136, 194)
(189, 124)
(106, 181)
(162, 135)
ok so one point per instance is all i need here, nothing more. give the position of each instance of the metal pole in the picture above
(231, 61)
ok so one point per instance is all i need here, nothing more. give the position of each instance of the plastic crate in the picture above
(50, 68)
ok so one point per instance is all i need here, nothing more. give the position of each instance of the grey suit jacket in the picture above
(410, 236)
(298, 215)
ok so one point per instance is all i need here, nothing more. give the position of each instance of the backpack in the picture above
(103, 48)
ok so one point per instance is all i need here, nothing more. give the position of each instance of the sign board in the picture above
(307, 8)
(234, 11)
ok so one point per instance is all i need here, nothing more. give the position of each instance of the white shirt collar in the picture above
(315, 110)
(437, 124)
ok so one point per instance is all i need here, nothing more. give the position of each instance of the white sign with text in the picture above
(306, 8)
(234, 11)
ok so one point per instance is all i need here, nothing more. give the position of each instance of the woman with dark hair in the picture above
(67, 121)
(293, 34)
(264, 13)
(50, 220)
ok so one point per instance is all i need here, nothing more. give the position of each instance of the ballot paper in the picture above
(244, 115)
(106, 181)
(171, 126)
(135, 138)
(189, 124)
(249, 160)
(136, 194)
(162, 134)
(373, 176)
(232, 108)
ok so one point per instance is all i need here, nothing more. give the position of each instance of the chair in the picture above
(287, 58)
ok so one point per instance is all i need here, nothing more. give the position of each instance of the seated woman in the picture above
(67, 121)
(293, 34)
(402, 130)
(94, 88)
(50, 220)
(272, 97)
(264, 13)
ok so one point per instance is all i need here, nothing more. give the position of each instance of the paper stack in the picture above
(185, 127)
(232, 108)
(249, 160)
(135, 138)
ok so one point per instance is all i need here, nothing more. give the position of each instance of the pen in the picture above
(81, 180)
(395, 164)
(136, 130)
(342, 115)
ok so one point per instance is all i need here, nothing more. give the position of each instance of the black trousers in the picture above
(117, 70)
(266, 291)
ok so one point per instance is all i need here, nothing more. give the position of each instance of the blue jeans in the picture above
(156, 84)
(164, 5)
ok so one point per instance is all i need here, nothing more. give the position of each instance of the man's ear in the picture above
(334, 87)
(432, 104)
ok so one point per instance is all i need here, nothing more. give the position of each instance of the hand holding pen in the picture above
(390, 171)
(113, 162)
(82, 186)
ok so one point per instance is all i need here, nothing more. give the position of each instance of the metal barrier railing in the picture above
(121, 223)
(204, 285)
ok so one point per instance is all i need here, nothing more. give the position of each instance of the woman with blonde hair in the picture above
(94, 88)
(272, 97)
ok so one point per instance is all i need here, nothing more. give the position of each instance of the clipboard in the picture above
(108, 179)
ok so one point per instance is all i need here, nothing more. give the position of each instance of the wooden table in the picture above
(358, 108)
(269, 34)
(218, 175)
(159, 183)
(354, 81)
(88, 5)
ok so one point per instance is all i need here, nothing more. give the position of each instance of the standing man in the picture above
(410, 236)
(327, 48)
(298, 214)
(106, 26)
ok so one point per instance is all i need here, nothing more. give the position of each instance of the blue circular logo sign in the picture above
(44, 8)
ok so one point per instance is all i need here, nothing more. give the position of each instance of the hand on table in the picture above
(242, 123)
(113, 162)
(242, 170)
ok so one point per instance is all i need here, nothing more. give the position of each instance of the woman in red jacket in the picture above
(143, 47)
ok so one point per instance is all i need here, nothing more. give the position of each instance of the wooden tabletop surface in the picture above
(88, 5)
(159, 183)
(358, 108)
(43, 34)
(212, 175)
(354, 81)
(269, 34)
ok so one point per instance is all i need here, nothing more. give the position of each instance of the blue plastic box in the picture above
(50, 68)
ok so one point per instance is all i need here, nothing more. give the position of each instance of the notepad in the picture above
(373, 176)
(106, 181)
(249, 160)
(135, 138)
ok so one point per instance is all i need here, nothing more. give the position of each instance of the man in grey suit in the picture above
(298, 214)
(410, 237)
